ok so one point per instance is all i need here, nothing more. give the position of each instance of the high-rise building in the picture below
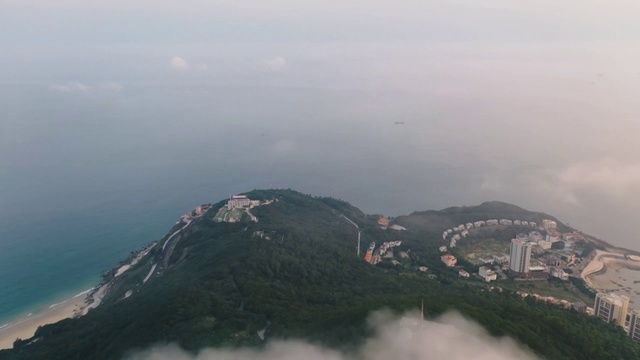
(520, 256)
(612, 308)
(634, 326)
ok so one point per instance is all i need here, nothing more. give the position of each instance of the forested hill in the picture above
(437, 221)
(295, 274)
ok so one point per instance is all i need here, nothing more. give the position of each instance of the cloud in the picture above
(203, 67)
(111, 86)
(277, 63)
(81, 88)
(70, 87)
(606, 175)
(451, 337)
(178, 63)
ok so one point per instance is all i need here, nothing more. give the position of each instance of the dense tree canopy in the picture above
(296, 270)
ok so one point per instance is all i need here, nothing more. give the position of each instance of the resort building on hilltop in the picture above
(611, 308)
(238, 201)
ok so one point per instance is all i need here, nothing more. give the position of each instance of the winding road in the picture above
(165, 253)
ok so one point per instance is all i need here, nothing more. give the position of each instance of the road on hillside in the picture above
(167, 250)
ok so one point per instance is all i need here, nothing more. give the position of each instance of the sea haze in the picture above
(113, 126)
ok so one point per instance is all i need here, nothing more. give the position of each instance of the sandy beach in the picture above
(25, 328)
(614, 272)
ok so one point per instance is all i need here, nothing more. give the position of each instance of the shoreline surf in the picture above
(24, 326)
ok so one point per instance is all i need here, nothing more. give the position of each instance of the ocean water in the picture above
(86, 178)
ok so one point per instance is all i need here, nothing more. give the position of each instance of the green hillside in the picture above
(438, 221)
(295, 273)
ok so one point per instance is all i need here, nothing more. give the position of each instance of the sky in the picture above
(531, 103)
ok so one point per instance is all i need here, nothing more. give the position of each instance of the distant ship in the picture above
(399, 122)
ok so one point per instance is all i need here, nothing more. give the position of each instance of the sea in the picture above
(86, 177)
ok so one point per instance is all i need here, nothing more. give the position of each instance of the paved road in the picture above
(167, 250)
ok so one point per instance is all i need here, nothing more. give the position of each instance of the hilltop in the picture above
(437, 221)
(292, 272)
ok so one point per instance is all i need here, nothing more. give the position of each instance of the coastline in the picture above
(24, 327)
(612, 271)
(598, 264)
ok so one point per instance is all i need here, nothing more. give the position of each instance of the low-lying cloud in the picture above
(76, 87)
(178, 63)
(451, 337)
(70, 87)
(277, 63)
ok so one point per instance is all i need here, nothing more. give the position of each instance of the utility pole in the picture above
(358, 249)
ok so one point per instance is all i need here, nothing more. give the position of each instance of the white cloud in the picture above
(277, 63)
(178, 63)
(451, 337)
(70, 88)
(203, 67)
(75, 87)
(111, 86)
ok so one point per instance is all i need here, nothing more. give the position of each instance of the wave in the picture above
(5, 325)
(84, 292)
(56, 304)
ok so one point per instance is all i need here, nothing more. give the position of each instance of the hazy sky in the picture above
(533, 103)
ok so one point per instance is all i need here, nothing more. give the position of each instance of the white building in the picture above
(487, 274)
(558, 273)
(506, 222)
(442, 248)
(545, 245)
(478, 224)
(612, 307)
(469, 225)
(492, 222)
(634, 326)
(552, 238)
(464, 233)
(535, 236)
(238, 201)
(517, 222)
(549, 224)
(520, 256)
(397, 227)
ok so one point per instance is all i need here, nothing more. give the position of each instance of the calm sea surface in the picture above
(86, 178)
